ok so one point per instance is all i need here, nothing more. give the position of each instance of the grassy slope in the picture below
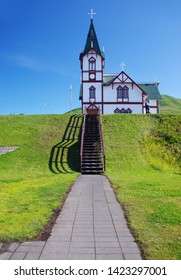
(170, 105)
(29, 190)
(75, 111)
(148, 186)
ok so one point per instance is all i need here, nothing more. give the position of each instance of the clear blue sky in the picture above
(40, 43)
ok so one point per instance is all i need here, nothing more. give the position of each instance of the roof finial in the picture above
(92, 13)
(122, 65)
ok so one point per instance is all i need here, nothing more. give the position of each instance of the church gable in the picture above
(122, 89)
(122, 78)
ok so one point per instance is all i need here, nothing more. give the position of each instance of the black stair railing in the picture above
(82, 138)
(102, 143)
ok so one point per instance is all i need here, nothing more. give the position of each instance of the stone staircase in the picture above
(92, 152)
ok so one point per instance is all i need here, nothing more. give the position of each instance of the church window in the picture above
(125, 93)
(92, 94)
(92, 64)
(122, 111)
(129, 111)
(119, 92)
(116, 111)
(122, 94)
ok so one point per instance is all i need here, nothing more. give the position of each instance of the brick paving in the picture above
(90, 226)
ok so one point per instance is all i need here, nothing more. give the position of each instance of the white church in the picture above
(111, 93)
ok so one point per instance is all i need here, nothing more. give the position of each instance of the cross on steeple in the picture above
(91, 42)
(92, 13)
(122, 65)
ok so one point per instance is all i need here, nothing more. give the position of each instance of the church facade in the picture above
(111, 93)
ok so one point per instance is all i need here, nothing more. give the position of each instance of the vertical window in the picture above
(125, 93)
(119, 93)
(92, 94)
(122, 94)
(92, 64)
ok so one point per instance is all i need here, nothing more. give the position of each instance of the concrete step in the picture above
(96, 149)
(92, 171)
(86, 162)
(91, 156)
(91, 165)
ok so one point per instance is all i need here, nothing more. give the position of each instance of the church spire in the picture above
(92, 42)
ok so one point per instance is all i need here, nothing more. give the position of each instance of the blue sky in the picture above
(40, 43)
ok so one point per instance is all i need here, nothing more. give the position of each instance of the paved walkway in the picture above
(90, 226)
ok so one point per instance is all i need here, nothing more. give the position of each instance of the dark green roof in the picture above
(108, 79)
(151, 90)
(92, 42)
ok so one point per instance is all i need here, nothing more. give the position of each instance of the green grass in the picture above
(143, 165)
(75, 111)
(33, 180)
(170, 105)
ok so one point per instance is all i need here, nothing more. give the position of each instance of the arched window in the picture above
(92, 94)
(122, 111)
(122, 94)
(119, 93)
(125, 93)
(92, 64)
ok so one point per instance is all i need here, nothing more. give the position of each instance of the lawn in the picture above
(35, 178)
(143, 165)
(170, 105)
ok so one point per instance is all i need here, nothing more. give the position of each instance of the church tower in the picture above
(92, 65)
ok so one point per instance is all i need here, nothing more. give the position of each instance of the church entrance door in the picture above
(92, 110)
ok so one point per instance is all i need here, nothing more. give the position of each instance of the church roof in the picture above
(151, 89)
(92, 42)
(108, 79)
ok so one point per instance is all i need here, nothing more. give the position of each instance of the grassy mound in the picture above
(170, 105)
(143, 164)
(35, 178)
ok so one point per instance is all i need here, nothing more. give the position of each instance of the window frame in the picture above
(92, 64)
(122, 94)
(92, 91)
(125, 94)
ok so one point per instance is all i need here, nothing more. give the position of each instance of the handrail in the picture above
(102, 142)
(82, 137)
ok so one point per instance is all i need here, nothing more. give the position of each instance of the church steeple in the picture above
(92, 65)
(92, 42)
